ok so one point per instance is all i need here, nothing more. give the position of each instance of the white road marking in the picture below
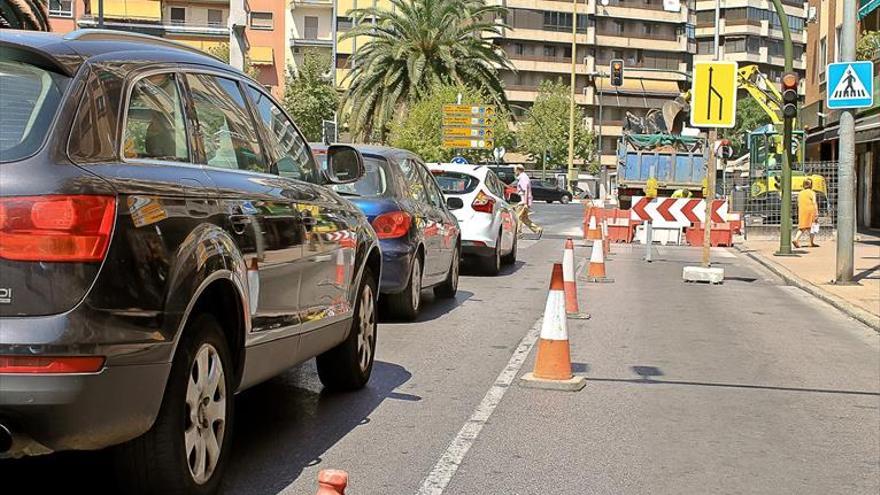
(448, 464)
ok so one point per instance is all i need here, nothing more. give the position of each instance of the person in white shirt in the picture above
(524, 189)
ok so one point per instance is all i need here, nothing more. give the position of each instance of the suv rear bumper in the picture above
(48, 413)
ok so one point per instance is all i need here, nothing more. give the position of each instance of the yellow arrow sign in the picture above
(472, 110)
(454, 120)
(467, 132)
(469, 143)
(713, 95)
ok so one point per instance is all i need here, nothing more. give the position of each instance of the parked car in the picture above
(488, 222)
(419, 236)
(549, 192)
(166, 241)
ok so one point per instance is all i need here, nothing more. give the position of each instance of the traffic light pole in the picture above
(572, 173)
(785, 213)
(846, 225)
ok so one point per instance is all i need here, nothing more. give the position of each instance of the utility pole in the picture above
(572, 173)
(847, 160)
(787, 158)
(711, 168)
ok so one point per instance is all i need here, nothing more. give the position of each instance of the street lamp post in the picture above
(787, 158)
(572, 173)
(846, 225)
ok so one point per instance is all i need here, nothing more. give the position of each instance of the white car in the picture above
(488, 222)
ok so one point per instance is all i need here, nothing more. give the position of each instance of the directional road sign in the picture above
(467, 132)
(455, 120)
(469, 110)
(713, 95)
(468, 143)
(468, 126)
(850, 85)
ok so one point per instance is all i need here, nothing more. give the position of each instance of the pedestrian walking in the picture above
(808, 214)
(524, 189)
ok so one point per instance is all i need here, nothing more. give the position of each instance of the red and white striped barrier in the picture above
(675, 212)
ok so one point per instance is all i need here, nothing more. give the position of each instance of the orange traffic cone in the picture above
(606, 244)
(593, 232)
(332, 482)
(572, 309)
(596, 271)
(553, 362)
(340, 267)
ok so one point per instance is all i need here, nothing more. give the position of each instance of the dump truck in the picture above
(677, 162)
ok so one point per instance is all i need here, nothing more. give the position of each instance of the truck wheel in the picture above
(185, 451)
(348, 365)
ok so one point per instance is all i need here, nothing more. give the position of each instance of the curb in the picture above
(790, 278)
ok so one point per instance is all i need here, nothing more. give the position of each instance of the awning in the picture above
(150, 10)
(632, 85)
(867, 6)
(261, 55)
(203, 45)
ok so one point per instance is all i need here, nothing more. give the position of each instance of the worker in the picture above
(808, 214)
(682, 193)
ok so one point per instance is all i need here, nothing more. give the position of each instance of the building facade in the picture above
(821, 123)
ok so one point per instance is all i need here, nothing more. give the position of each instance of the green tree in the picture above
(868, 47)
(421, 129)
(749, 116)
(309, 95)
(403, 51)
(544, 133)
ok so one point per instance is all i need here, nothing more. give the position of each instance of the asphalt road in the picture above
(748, 387)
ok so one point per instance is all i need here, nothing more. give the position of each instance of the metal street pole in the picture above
(100, 14)
(711, 168)
(787, 158)
(572, 173)
(846, 161)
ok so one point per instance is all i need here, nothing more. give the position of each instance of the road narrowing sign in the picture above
(468, 126)
(713, 95)
(850, 85)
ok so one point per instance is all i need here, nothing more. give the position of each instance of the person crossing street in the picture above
(524, 189)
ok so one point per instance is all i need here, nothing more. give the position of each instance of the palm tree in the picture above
(24, 14)
(405, 50)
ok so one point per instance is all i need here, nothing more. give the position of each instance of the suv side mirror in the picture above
(454, 203)
(514, 198)
(345, 164)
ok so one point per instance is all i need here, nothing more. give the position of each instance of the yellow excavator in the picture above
(765, 144)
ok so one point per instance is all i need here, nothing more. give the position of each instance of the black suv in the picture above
(166, 240)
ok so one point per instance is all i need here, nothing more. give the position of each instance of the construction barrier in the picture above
(721, 234)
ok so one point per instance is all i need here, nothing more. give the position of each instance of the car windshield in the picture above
(455, 182)
(373, 183)
(29, 98)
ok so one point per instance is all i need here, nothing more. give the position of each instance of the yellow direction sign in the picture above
(713, 94)
(468, 143)
(467, 132)
(469, 110)
(455, 120)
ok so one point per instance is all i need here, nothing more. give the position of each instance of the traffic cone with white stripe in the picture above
(593, 233)
(553, 361)
(572, 308)
(596, 270)
(340, 267)
(606, 243)
(332, 482)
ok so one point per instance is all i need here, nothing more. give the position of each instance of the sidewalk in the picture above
(813, 269)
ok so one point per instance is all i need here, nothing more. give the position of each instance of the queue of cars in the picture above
(168, 239)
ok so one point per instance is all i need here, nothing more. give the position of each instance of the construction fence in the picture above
(758, 197)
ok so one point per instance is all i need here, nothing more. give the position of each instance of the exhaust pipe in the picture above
(5, 439)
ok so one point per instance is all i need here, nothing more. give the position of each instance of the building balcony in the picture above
(641, 41)
(311, 42)
(547, 5)
(653, 12)
(546, 35)
(160, 28)
(311, 3)
(528, 93)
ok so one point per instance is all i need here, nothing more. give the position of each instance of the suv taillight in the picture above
(392, 225)
(483, 203)
(56, 228)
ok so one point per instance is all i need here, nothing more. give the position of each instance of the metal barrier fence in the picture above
(759, 198)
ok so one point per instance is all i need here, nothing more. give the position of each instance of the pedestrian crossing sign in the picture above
(850, 85)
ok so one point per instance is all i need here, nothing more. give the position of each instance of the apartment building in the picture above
(750, 33)
(312, 28)
(821, 124)
(203, 24)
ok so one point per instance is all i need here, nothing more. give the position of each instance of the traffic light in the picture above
(617, 72)
(789, 95)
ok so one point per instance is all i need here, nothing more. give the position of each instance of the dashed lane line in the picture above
(439, 477)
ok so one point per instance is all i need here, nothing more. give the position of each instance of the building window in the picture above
(343, 23)
(261, 20)
(649, 29)
(549, 51)
(61, 8)
(310, 27)
(178, 15)
(705, 47)
(566, 52)
(518, 49)
(619, 27)
(215, 17)
(837, 43)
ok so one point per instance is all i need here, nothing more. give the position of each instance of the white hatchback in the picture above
(488, 222)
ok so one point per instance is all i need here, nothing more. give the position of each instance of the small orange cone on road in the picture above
(572, 309)
(553, 362)
(596, 271)
(606, 244)
(593, 232)
(332, 482)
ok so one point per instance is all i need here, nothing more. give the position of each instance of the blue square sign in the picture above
(850, 85)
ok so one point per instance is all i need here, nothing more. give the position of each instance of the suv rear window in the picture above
(455, 182)
(29, 98)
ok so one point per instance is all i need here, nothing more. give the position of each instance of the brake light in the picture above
(392, 225)
(47, 364)
(483, 203)
(56, 228)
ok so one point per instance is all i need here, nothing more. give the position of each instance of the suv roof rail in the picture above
(112, 34)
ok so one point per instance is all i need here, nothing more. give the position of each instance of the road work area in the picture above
(746, 387)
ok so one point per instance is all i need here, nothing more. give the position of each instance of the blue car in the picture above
(418, 235)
